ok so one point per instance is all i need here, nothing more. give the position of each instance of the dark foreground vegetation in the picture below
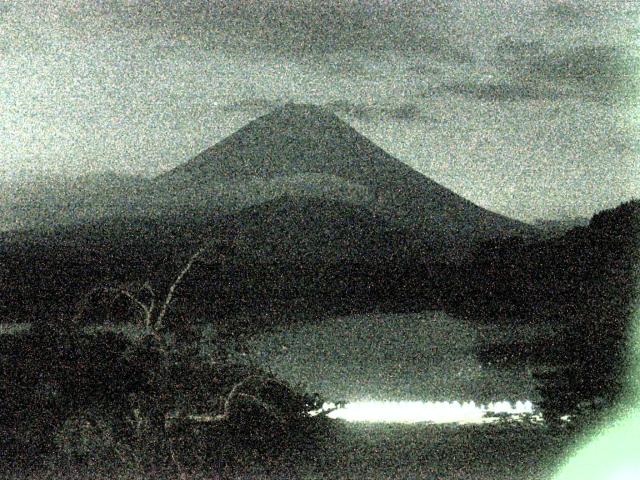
(105, 403)
(583, 281)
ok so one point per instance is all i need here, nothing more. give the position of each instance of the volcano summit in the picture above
(308, 147)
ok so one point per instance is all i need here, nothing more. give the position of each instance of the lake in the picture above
(420, 357)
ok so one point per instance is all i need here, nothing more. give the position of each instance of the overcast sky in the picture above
(524, 107)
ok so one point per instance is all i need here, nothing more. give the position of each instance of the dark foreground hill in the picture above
(292, 253)
(584, 282)
(556, 278)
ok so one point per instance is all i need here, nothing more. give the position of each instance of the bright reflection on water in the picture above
(429, 412)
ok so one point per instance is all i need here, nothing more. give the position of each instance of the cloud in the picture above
(588, 63)
(295, 28)
(403, 112)
(18, 34)
(605, 72)
(576, 13)
(352, 109)
(596, 72)
(511, 48)
(345, 65)
(252, 105)
(370, 112)
(564, 11)
(427, 69)
(501, 91)
(518, 57)
(444, 49)
(5, 8)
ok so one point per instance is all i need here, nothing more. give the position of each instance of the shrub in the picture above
(49, 375)
(89, 437)
(581, 390)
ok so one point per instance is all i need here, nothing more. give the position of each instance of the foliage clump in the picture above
(146, 400)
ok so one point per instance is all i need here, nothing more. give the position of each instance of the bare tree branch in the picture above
(152, 304)
(153, 314)
(174, 285)
(136, 301)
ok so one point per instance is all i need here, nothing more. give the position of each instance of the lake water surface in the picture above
(421, 365)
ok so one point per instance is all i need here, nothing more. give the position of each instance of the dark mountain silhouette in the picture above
(296, 150)
(583, 282)
(299, 140)
(306, 228)
(288, 227)
(557, 276)
(42, 202)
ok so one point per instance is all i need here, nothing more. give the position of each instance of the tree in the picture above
(601, 298)
(151, 313)
(63, 385)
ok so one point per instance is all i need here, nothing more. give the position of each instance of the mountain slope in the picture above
(43, 202)
(295, 150)
(305, 228)
(309, 207)
(287, 228)
(304, 139)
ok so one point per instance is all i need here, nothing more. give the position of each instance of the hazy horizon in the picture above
(525, 108)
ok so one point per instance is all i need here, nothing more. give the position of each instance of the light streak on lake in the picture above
(430, 412)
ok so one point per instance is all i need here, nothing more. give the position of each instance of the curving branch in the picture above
(143, 296)
(152, 304)
(233, 403)
(146, 309)
(124, 290)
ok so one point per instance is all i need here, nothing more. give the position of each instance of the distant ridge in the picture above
(272, 255)
(320, 230)
(48, 200)
(297, 149)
